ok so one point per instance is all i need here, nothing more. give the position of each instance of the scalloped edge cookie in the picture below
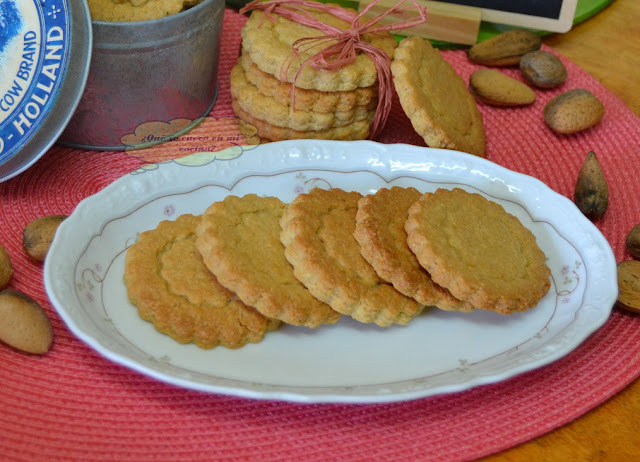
(308, 100)
(269, 44)
(383, 243)
(436, 99)
(317, 232)
(265, 108)
(239, 239)
(171, 287)
(478, 251)
(355, 131)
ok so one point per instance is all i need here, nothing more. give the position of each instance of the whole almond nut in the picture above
(633, 241)
(573, 111)
(505, 49)
(591, 193)
(38, 235)
(498, 89)
(543, 69)
(629, 285)
(23, 323)
(6, 270)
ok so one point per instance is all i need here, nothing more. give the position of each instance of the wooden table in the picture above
(607, 46)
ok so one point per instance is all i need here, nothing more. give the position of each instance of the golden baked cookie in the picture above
(358, 130)
(317, 232)
(239, 239)
(268, 45)
(171, 287)
(383, 243)
(136, 10)
(436, 99)
(308, 100)
(266, 108)
(478, 251)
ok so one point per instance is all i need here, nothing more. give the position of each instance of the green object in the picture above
(584, 10)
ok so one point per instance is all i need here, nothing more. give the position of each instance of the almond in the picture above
(505, 49)
(591, 193)
(23, 323)
(38, 235)
(573, 111)
(633, 241)
(543, 69)
(6, 270)
(498, 89)
(629, 285)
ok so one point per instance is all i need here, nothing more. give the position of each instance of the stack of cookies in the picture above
(340, 104)
(251, 263)
(332, 105)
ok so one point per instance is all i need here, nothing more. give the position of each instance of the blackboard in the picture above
(546, 15)
(543, 8)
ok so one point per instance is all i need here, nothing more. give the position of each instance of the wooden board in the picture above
(549, 15)
(445, 21)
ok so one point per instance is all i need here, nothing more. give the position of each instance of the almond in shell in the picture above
(505, 49)
(543, 69)
(629, 285)
(6, 270)
(498, 89)
(23, 323)
(633, 241)
(591, 193)
(573, 111)
(38, 235)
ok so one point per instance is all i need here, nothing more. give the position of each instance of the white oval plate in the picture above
(439, 352)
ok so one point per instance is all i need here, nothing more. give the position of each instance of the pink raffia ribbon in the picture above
(340, 47)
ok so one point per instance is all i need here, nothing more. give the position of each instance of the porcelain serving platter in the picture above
(438, 352)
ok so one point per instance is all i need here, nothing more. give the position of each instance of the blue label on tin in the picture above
(34, 49)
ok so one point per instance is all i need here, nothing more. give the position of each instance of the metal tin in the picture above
(39, 42)
(158, 70)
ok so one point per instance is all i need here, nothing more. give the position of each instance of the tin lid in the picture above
(45, 52)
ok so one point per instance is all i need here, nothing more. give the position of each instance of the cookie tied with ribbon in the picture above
(328, 52)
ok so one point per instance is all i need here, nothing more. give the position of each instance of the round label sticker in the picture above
(34, 47)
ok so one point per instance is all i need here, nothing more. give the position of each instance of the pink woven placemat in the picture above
(72, 404)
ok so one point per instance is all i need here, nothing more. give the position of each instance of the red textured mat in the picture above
(73, 404)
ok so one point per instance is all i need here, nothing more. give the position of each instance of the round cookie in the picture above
(265, 108)
(268, 45)
(317, 231)
(436, 99)
(308, 100)
(172, 288)
(239, 239)
(358, 130)
(131, 10)
(477, 250)
(383, 243)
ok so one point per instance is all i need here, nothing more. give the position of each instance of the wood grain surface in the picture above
(607, 46)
